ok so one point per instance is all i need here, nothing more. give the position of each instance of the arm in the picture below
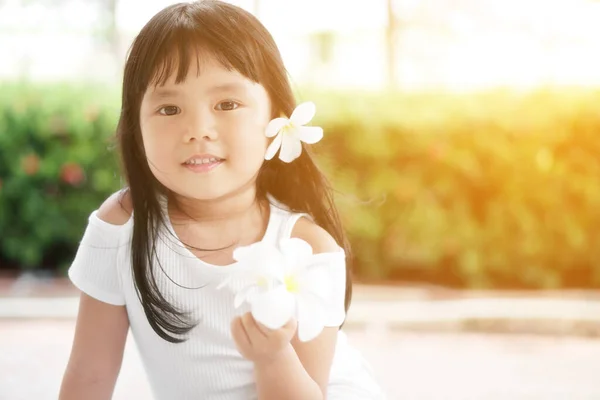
(97, 351)
(302, 370)
(100, 333)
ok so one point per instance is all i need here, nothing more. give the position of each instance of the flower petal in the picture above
(274, 308)
(275, 126)
(309, 134)
(256, 253)
(245, 253)
(264, 263)
(273, 147)
(291, 148)
(325, 280)
(311, 316)
(303, 113)
(240, 296)
(296, 253)
(295, 247)
(246, 294)
(325, 277)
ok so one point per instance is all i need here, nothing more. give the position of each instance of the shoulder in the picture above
(117, 209)
(318, 238)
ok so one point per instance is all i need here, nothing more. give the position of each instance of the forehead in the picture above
(204, 70)
(176, 69)
(205, 77)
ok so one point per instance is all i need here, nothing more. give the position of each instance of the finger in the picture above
(238, 331)
(292, 324)
(290, 327)
(266, 331)
(255, 332)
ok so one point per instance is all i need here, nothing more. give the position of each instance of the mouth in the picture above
(203, 160)
(203, 164)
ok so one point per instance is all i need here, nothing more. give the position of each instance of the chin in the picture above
(209, 194)
(215, 189)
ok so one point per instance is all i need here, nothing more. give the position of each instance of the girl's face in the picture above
(204, 137)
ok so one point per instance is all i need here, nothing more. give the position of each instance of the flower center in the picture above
(289, 128)
(291, 284)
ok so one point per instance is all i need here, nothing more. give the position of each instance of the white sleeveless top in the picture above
(207, 366)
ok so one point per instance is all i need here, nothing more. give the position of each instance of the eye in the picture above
(228, 105)
(169, 110)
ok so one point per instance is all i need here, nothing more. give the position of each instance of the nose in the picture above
(201, 125)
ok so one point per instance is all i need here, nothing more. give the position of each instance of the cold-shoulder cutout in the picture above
(96, 268)
(117, 209)
(319, 239)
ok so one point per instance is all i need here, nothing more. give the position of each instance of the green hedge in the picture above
(54, 169)
(483, 190)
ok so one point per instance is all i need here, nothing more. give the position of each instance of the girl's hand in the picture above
(258, 343)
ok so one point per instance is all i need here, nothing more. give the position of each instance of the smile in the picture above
(203, 165)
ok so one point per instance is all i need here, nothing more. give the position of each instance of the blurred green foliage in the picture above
(54, 168)
(497, 189)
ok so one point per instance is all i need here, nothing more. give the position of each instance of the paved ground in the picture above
(451, 365)
(447, 366)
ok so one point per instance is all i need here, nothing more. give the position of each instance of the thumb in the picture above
(291, 325)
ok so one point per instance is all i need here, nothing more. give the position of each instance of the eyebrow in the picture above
(164, 93)
(228, 87)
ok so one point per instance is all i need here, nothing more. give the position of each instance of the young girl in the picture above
(201, 84)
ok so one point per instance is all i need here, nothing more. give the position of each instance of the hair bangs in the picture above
(189, 37)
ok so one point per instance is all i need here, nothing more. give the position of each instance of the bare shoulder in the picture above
(117, 209)
(318, 238)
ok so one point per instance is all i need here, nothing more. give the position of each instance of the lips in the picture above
(202, 163)
(201, 160)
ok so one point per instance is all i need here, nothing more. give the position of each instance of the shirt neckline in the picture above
(195, 259)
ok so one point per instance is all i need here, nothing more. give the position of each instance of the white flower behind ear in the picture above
(289, 133)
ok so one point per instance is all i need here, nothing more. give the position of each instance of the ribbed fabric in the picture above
(206, 366)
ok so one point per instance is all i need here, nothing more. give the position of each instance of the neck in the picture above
(237, 219)
(232, 206)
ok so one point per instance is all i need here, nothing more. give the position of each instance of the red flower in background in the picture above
(72, 173)
(30, 164)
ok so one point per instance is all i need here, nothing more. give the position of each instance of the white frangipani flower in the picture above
(261, 260)
(289, 133)
(279, 284)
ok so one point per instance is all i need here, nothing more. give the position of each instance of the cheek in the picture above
(250, 150)
(249, 142)
(158, 147)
